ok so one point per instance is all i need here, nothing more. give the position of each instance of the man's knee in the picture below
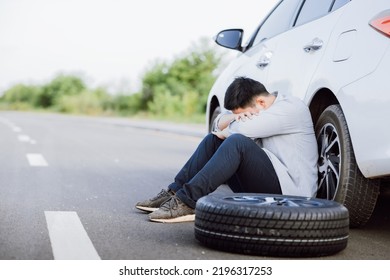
(238, 140)
(211, 140)
(210, 136)
(236, 137)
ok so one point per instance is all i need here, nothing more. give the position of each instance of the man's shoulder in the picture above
(293, 106)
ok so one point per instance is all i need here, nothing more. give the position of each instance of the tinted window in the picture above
(313, 9)
(278, 21)
(339, 3)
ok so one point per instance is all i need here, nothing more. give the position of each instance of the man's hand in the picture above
(245, 115)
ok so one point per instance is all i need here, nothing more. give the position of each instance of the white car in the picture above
(334, 55)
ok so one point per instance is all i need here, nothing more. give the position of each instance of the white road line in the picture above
(6, 122)
(26, 138)
(10, 125)
(36, 160)
(16, 129)
(22, 138)
(68, 238)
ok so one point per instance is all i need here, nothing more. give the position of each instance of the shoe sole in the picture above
(181, 219)
(146, 209)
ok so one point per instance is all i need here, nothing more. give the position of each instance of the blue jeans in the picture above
(237, 161)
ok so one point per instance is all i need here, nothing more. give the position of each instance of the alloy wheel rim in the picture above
(282, 201)
(329, 162)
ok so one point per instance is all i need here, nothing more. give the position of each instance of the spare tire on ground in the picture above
(272, 225)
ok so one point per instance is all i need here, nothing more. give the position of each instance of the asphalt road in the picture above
(78, 179)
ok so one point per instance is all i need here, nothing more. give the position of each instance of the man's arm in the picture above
(288, 116)
(222, 122)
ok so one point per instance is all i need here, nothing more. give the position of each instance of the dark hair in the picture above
(241, 92)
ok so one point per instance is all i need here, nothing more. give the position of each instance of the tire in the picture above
(272, 225)
(214, 115)
(339, 177)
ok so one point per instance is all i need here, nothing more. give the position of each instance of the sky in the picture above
(109, 43)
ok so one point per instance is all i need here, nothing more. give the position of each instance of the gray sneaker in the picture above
(154, 203)
(173, 211)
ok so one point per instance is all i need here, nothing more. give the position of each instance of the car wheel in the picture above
(272, 225)
(339, 176)
(214, 115)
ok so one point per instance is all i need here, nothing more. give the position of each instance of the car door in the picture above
(299, 51)
(259, 52)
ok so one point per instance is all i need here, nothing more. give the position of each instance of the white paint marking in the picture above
(24, 138)
(10, 125)
(36, 160)
(68, 238)
(7, 122)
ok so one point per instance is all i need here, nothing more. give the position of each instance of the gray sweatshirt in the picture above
(285, 132)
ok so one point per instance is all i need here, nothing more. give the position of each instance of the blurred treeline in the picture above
(175, 90)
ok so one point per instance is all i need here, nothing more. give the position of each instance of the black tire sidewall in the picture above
(214, 115)
(356, 192)
(271, 229)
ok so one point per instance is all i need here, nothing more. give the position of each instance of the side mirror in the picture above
(230, 38)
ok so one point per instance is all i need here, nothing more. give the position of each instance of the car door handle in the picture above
(314, 45)
(262, 63)
(264, 60)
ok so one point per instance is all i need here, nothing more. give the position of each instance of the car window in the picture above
(313, 9)
(338, 4)
(278, 21)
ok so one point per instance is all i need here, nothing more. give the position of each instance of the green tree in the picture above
(62, 85)
(185, 82)
(21, 96)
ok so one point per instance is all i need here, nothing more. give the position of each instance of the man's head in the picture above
(245, 93)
